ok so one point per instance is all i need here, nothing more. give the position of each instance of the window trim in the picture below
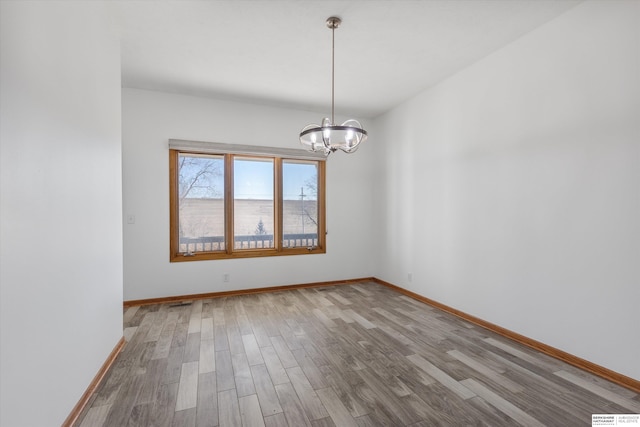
(229, 152)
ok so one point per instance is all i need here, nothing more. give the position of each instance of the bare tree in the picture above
(312, 185)
(197, 177)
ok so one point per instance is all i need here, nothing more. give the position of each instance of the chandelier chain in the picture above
(333, 72)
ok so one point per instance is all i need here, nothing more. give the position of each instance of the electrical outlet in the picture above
(131, 219)
(409, 277)
(226, 277)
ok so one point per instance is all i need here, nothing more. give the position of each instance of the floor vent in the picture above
(181, 304)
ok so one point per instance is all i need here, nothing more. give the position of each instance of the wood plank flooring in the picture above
(347, 355)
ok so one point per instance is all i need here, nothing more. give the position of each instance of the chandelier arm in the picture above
(315, 128)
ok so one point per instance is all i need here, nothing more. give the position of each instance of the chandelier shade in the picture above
(329, 137)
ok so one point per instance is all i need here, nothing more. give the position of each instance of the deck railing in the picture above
(251, 241)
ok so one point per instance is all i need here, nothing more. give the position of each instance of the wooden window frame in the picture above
(230, 252)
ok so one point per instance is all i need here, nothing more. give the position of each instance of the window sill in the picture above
(247, 253)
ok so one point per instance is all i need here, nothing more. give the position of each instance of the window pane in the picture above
(253, 204)
(200, 203)
(299, 204)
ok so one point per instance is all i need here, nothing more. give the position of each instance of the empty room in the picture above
(319, 213)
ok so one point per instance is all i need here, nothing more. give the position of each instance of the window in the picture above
(240, 201)
(253, 203)
(299, 203)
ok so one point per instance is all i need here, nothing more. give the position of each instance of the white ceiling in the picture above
(279, 52)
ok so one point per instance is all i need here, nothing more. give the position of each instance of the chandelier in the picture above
(328, 137)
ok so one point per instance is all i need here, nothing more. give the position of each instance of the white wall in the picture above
(61, 245)
(511, 190)
(150, 119)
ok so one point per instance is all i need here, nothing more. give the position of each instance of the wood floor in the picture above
(347, 355)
